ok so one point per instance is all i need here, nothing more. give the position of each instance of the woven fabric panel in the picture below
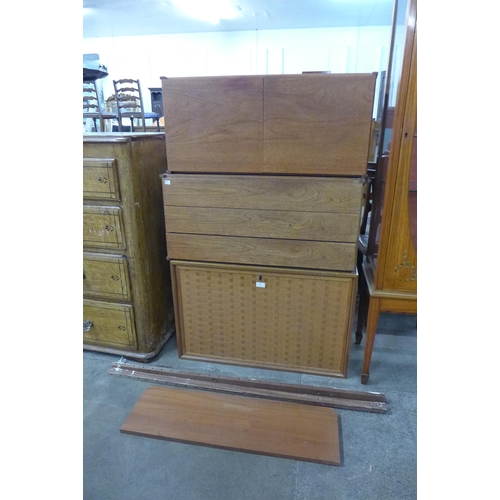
(296, 322)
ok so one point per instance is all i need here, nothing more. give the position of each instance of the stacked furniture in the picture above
(127, 306)
(262, 203)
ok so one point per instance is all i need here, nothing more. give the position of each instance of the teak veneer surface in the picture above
(280, 429)
(316, 124)
(262, 192)
(281, 224)
(262, 251)
(214, 121)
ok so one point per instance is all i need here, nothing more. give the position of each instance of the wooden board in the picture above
(373, 402)
(279, 429)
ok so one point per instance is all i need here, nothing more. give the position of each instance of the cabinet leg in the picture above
(371, 328)
(364, 298)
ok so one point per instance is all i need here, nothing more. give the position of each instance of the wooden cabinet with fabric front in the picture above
(127, 300)
(262, 202)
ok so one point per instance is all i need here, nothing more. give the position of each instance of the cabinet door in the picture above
(264, 317)
(317, 123)
(213, 124)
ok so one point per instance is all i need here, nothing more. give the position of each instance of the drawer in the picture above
(280, 224)
(106, 276)
(100, 179)
(108, 323)
(103, 227)
(264, 317)
(258, 192)
(262, 251)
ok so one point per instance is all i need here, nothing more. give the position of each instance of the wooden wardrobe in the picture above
(389, 281)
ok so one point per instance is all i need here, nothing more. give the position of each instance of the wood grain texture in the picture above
(138, 160)
(293, 124)
(252, 425)
(110, 323)
(106, 276)
(294, 393)
(280, 224)
(307, 194)
(263, 251)
(103, 227)
(100, 179)
(317, 123)
(265, 317)
(213, 123)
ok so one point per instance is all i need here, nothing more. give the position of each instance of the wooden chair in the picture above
(92, 106)
(130, 105)
(365, 219)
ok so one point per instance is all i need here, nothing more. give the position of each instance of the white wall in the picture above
(338, 50)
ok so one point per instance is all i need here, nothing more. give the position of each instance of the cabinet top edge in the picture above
(322, 74)
(113, 137)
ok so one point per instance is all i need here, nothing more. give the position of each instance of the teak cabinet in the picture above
(262, 202)
(390, 268)
(127, 299)
(317, 124)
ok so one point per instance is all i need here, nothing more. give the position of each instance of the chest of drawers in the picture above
(127, 298)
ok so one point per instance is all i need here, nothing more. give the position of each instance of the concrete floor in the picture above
(379, 451)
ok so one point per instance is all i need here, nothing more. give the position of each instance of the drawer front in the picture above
(262, 251)
(103, 227)
(305, 194)
(108, 323)
(279, 224)
(100, 179)
(106, 276)
(269, 318)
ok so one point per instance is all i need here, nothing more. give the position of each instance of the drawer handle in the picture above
(109, 228)
(103, 180)
(87, 325)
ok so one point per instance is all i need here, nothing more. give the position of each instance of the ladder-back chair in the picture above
(130, 104)
(92, 106)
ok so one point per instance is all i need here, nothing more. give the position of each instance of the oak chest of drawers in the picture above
(127, 298)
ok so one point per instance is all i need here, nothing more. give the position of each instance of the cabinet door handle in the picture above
(87, 325)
